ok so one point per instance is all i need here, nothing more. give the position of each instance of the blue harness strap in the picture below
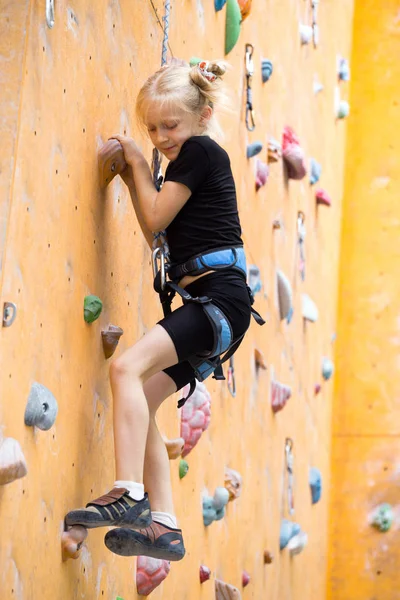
(206, 363)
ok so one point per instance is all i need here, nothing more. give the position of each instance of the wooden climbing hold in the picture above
(322, 197)
(150, 572)
(274, 150)
(110, 338)
(72, 540)
(266, 69)
(245, 578)
(280, 394)
(92, 307)
(268, 557)
(205, 573)
(293, 154)
(111, 162)
(253, 149)
(259, 360)
(245, 8)
(233, 483)
(41, 408)
(225, 591)
(277, 224)
(12, 461)
(174, 447)
(285, 295)
(262, 172)
(309, 309)
(232, 26)
(195, 416)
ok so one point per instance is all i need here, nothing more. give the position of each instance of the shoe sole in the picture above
(78, 517)
(123, 542)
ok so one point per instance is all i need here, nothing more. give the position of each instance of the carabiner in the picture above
(158, 254)
(50, 13)
(249, 60)
(250, 123)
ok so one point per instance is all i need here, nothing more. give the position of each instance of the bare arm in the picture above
(127, 176)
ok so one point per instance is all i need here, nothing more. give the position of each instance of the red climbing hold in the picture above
(205, 573)
(293, 154)
(150, 572)
(317, 389)
(195, 416)
(261, 174)
(280, 394)
(322, 197)
(245, 578)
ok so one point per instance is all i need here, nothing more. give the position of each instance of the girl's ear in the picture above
(205, 115)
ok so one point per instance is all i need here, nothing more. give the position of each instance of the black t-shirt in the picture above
(209, 219)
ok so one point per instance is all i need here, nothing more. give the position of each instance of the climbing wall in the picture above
(365, 463)
(65, 90)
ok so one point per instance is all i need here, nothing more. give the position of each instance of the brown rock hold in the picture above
(12, 461)
(72, 540)
(174, 447)
(259, 359)
(111, 162)
(268, 557)
(225, 591)
(110, 339)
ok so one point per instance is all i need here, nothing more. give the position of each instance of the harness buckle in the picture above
(158, 258)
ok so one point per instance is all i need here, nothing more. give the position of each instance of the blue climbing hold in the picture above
(288, 530)
(315, 171)
(254, 149)
(327, 368)
(315, 481)
(266, 69)
(219, 4)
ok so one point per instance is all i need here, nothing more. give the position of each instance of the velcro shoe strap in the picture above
(109, 498)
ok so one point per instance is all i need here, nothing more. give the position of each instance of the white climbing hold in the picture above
(297, 543)
(285, 295)
(306, 33)
(12, 461)
(309, 308)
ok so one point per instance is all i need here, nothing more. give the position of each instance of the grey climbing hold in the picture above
(254, 149)
(9, 313)
(315, 171)
(41, 409)
(327, 368)
(92, 308)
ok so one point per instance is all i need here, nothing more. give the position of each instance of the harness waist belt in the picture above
(215, 260)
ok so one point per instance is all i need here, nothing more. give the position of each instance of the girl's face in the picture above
(170, 127)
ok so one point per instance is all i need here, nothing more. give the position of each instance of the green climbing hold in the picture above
(383, 517)
(232, 26)
(183, 468)
(195, 60)
(92, 308)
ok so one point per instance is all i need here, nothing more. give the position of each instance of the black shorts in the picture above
(189, 327)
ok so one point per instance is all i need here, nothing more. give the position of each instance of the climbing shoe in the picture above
(116, 508)
(157, 541)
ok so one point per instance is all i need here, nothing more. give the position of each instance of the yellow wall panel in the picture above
(66, 239)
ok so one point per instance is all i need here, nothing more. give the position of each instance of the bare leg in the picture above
(157, 478)
(128, 373)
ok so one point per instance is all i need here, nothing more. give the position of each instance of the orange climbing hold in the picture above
(260, 360)
(174, 447)
(111, 162)
(72, 540)
(245, 8)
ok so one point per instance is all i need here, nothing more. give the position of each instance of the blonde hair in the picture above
(187, 88)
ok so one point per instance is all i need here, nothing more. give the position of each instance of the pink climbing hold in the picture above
(205, 573)
(317, 388)
(261, 174)
(150, 572)
(195, 416)
(322, 197)
(280, 394)
(245, 578)
(293, 154)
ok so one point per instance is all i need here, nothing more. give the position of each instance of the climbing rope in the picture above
(160, 238)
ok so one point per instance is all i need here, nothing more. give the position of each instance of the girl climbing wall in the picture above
(198, 209)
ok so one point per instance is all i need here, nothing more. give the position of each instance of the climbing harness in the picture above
(301, 235)
(165, 277)
(289, 469)
(250, 123)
